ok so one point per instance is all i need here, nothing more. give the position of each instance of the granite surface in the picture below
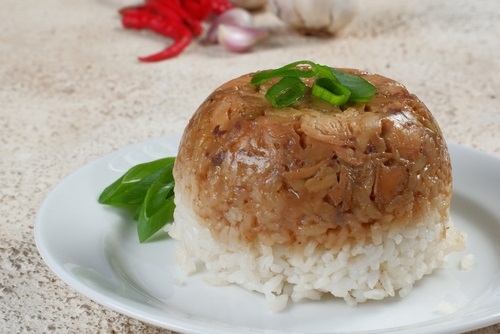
(71, 91)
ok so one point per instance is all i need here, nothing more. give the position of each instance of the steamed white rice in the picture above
(387, 265)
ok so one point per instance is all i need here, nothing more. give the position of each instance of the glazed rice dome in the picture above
(313, 198)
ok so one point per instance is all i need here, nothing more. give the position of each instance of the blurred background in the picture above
(72, 90)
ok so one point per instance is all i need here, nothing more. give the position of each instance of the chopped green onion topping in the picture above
(334, 86)
(289, 70)
(330, 91)
(287, 91)
(262, 77)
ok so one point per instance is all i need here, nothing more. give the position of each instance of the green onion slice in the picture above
(262, 77)
(289, 70)
(330, 91)
(361, 90)
(324, 72)
(285, 92)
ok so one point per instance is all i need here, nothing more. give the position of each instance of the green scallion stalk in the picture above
(147, 189)
(158, 206)
(131, 188)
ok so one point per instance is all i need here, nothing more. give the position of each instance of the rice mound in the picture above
(312, 199)
(387, 264)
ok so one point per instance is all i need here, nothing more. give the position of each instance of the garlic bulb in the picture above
(314, 17)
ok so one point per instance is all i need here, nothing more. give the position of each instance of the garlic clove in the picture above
(239, 39)
(316, 17)
(313, 15)
(235, 17)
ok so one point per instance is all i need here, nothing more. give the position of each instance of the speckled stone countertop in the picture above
(71, 91)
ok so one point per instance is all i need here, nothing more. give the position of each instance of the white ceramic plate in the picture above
(94, 249)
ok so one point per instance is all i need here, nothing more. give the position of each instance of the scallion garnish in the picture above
(361, 90)
(334, 86)
(287, 91)
(147, 189)
(330, 91)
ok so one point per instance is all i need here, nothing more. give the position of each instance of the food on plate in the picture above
(307, 180)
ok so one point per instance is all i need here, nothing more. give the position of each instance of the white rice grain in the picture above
(467, 262)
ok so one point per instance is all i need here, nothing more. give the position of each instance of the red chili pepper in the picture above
(166, 7)
(220, 6)
(132, 9)
(142, 18)
(198, 9)
(172, 51)
(178, 19)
